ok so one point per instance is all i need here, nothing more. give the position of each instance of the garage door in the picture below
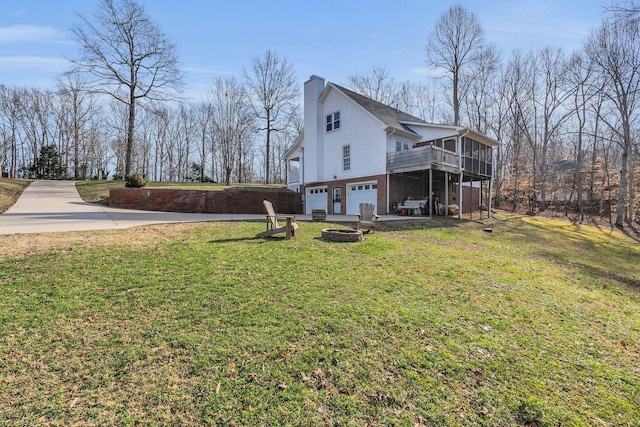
(316, 199)
(362, 192)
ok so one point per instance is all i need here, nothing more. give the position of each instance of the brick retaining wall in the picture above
(229, 201)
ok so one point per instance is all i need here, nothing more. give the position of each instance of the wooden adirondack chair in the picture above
(272, 223)
(367, 218)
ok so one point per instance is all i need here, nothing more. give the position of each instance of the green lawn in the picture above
(537, 323)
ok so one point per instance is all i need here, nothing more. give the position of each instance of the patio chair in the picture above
(272, 223)
(367, 218)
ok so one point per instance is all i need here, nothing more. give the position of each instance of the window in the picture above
(337, 194)
(483, 152)
(401, 146)
(294, 170)
(467, 147)
(333, 121)
(450, 145)
(346, 157)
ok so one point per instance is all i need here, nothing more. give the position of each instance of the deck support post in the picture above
(430, 192)
(460, 195)
(446, 193)
(489, 198)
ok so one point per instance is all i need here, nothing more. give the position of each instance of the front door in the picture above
(337, 200)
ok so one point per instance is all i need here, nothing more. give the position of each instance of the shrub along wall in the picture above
(229, 201)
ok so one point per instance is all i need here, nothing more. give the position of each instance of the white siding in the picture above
(430, 133)
(362, 132)
(391, 146)
(313, 117)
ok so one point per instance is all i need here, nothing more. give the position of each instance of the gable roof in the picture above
(399, 120)
(295, 145)
(390, 116)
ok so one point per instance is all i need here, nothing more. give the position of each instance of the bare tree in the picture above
(551, 94)
(128, 58)
(477, 85)
(185, 135)
(204, 113)
(580, 79)
(517, 81)
(80, 105)
(275, 91)
(10, 124)
(36, 114)
(232, 117)
(377, 85)
(615, 53)
(499, 125)
(624, 10)
(420, 100)
(456, 42)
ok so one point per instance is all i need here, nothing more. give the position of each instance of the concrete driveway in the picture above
(50, 206)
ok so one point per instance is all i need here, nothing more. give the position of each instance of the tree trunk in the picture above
(130, 131)
(456, 100)
(622, 193)
(76, 138)
(227, 175)
(632, 189)
(267, 151)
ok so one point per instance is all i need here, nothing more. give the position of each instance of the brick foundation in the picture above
(381, 180)
(229, 201)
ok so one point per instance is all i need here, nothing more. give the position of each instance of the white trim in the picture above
(333, 121)
(345, 158)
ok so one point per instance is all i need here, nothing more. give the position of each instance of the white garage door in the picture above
(316, 199)
(362, 192)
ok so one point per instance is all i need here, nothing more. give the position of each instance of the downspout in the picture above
(302, 151)
(304, 185)
(460, 139)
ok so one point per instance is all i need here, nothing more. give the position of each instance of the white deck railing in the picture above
(294, 175)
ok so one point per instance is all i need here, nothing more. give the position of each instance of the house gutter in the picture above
(302, 151)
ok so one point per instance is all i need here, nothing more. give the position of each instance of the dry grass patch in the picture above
(10, 190)
(24, 245)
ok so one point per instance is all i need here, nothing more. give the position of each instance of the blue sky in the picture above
(332, 38)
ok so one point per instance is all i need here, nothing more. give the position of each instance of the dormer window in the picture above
(333, 121)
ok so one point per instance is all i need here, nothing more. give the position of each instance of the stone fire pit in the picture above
(341, 235)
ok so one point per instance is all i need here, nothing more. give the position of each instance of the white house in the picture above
(355, 150)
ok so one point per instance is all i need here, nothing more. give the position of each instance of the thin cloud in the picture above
(18, 63)
(427, 72)
(209, 71)
(30, 33)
